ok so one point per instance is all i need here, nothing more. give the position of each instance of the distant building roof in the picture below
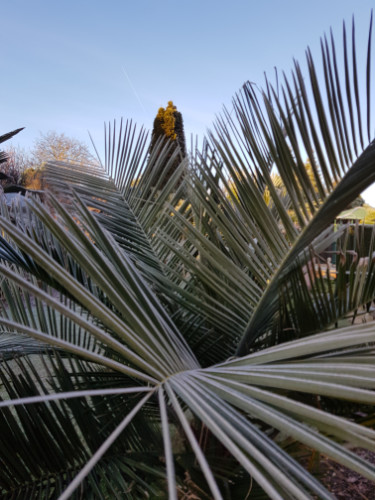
(356, 213)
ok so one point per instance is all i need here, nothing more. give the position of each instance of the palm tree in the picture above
(170, 345)
(168, 126)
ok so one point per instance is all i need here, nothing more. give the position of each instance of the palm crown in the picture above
(161, 335)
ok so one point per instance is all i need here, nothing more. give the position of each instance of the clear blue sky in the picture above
(71, 65)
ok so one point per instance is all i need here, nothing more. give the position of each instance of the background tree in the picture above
(12, 163)
(6, 137)
(18, 160)
(22, 169)
(53, 146)
(32, 178)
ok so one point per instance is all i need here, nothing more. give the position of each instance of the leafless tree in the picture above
(53, 146)
(18, 160)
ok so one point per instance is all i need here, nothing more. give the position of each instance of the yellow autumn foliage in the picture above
(370, 214)
(32, 178)
(167, 120)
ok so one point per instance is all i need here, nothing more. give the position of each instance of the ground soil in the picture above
(345, 484)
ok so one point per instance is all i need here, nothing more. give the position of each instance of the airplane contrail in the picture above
(133, 89)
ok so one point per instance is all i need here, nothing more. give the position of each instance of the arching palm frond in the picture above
(6, 137)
